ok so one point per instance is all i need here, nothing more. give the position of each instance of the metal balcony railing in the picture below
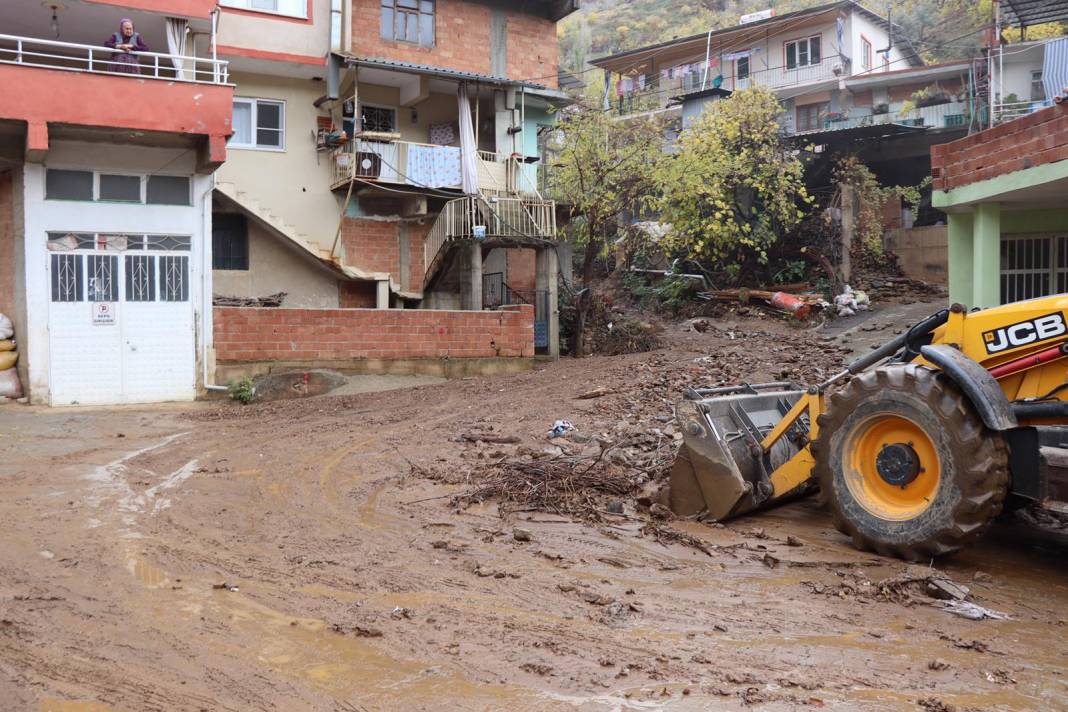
(72, 57)
(475, 217)
(388, 162)
(950, 115)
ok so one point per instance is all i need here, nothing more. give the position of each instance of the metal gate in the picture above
(496, 293)
(1033, 266)
(121, 324)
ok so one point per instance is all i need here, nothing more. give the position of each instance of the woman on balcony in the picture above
(127, 41)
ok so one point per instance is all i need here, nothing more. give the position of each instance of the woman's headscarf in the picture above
(123, 21)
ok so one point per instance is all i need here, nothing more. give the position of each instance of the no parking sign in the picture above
(103, 313)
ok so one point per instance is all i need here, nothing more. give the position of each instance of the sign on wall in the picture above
(103, 313)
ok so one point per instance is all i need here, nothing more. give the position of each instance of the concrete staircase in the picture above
(262, 214)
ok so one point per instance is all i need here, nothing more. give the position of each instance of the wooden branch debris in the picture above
(271, 300)
(492, 439)
(596, 393)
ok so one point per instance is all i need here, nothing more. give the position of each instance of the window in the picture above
(124, 189)
(167, 190)
(102, 271)
(290, 8)
(802, 53)
(173, 279)
(112, 187)
(378, 118)
(259, 123)
(408, 21)
(68, 185)
(140, 278)
(67, 278)
(741, 68)
(810, 116)
(229, 242)
(1038, 90)
(865, 53)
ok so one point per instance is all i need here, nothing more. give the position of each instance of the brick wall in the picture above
(347, 334)
(463, 40)
(374, 245)
(7, 245)
(1033, 140)
(357, 295)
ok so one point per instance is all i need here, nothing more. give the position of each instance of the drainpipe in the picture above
(205, 279)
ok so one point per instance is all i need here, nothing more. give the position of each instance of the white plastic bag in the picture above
(6, 329)
(10, 386)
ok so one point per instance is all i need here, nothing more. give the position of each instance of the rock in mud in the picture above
(522, 535)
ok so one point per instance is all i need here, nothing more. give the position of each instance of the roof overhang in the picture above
(554, 10)
(1025, 13)
(941, 71)
(858, 133)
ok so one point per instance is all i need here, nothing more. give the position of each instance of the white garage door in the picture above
(120, 321)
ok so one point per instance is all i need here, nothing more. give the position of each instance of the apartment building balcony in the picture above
(953, 115)
(76, 87)
(368, 162)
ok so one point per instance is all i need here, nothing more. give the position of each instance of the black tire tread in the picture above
(983, 454)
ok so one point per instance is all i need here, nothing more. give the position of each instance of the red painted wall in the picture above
(346, 334)
(521, 269)
(7, 245)
(30, 94)
(1034, 140)
(462, 32)
(177, 8)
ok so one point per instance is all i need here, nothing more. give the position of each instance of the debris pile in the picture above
(10, 386)
(582, 487)
(271, 300)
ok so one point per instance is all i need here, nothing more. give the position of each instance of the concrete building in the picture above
(106, 173)
(344, 187)
(1003, 190)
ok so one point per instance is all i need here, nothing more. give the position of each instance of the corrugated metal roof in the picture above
(1024, 13)
(442, 72)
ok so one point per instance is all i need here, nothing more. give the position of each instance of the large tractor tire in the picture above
(906, 465)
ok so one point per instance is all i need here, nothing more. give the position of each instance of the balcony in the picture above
(71, 57)
(685, 79)
(428, 166)
(953, 115)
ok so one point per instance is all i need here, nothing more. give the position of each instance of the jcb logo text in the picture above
(1024, 333)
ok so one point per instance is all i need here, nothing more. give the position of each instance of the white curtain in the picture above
(468, 149)
(176, 34)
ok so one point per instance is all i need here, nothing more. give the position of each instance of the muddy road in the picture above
(288, 556)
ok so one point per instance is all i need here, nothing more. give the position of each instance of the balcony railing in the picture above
(1014, 110)
(951, 115)
(424, 165)
(472, 217)
(68, 56)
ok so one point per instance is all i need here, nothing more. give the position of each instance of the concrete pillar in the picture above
(986, 256)
(382, 294)
(546, 277)
(471, 277)
(845, 265)
(961, 282)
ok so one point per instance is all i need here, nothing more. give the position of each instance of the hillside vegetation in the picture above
(940, 29)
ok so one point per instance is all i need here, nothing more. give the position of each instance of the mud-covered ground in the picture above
(288, 556)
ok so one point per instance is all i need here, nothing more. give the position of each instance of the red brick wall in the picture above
(7, 245)
(374, 245)
(1033, 140)
(463, 40)
(371, 245)
(345, 334)
(521, 269)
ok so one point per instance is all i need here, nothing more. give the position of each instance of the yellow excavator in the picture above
(934, 433)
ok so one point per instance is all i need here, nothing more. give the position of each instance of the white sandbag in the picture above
(6, 328)
(10, 386)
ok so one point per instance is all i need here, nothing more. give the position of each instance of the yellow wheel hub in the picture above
(891, 467)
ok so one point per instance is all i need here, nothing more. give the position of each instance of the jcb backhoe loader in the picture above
(917, 454)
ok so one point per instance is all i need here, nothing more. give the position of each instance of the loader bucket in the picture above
(721, 470)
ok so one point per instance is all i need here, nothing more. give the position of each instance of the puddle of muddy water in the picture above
(51, 704)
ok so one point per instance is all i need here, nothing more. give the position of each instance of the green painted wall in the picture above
(1022, 221)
